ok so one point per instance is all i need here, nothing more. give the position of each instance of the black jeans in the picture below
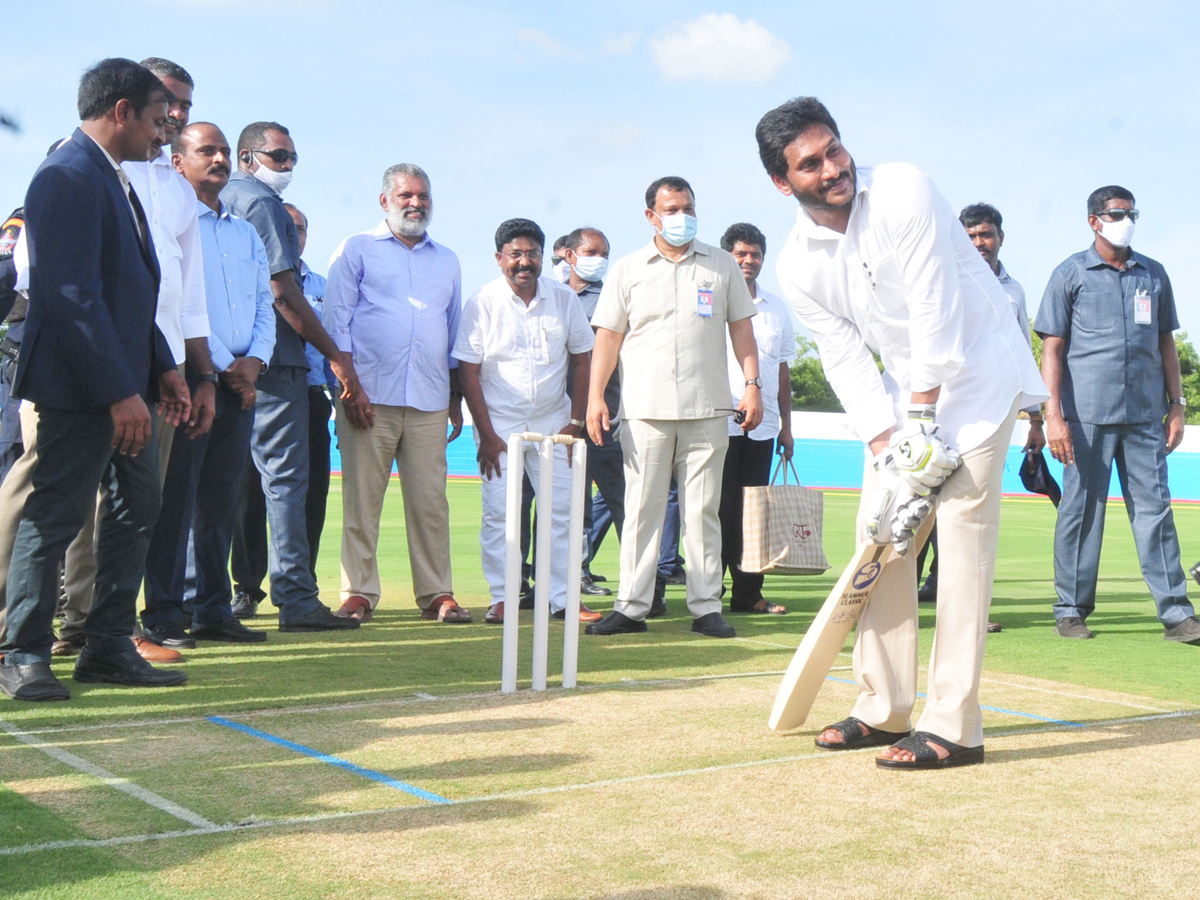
(747, 464)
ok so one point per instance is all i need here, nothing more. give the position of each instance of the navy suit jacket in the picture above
(90, 338)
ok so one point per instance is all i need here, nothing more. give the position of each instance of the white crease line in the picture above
(559, 789)
(1030, 687)
(115, 781)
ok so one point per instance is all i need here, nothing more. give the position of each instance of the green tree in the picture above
(810, 390)
(1189, 368)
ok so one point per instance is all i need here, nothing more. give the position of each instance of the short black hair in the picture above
(115, 79)
(671, 182)
(164, 68)
(560, 243)
(978, 213)
(744, 232)
(1098, 199)
(575, 238)
(511, 229)
(782, 125)
(254, 135)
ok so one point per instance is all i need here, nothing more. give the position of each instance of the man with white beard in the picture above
(393, 302)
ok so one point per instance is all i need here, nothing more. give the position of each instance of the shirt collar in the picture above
(382, 232)
(120, 172)
(1092, 260)
(203, 209)
(651, 250)
(304, 269)
(863, 177)
(1003, 273)
(163, 159)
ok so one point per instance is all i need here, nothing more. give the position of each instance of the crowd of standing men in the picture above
(178, 364)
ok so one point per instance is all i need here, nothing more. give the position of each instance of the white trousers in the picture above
(885, 647)
(491, 532)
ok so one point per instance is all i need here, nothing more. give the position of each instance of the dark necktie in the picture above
(140, 214)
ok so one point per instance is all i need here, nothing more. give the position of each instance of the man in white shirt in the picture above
(519, 336)
(877, 262)
(748, 460)
(393, 300)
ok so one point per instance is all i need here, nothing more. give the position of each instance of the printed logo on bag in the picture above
(865, 577)
(800, 531)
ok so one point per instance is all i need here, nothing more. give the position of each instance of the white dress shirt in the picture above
(170, 205)
(776, 338)
(906, 282)
(397, 312)
(523, 352)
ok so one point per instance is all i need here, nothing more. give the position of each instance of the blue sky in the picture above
(565, 112)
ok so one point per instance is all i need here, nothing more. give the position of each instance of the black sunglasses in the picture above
(279, 155)
(1118, 214)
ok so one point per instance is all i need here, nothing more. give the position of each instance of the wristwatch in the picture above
(756, 381)
(578, 423)
(1179, 401)
(210, 377)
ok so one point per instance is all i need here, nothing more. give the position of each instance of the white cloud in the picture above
(548, 45)
(719, 47)
(622, 44)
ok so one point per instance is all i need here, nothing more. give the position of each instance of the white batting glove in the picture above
(889, 490)
(911, 514)
(921, 457)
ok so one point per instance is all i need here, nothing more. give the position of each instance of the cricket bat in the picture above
(826, 636)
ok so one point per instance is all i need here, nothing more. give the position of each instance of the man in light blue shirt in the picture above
(393, 301)
(205, 471)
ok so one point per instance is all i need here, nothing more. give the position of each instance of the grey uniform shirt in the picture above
(672, 360)
(250, 199)
(1111, 320)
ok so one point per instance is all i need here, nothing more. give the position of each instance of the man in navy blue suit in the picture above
(91, 360)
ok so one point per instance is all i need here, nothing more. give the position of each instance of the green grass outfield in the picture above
(657, 778)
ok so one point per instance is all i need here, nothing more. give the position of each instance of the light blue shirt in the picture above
(396, 311)
(241, 314)
(319, 370)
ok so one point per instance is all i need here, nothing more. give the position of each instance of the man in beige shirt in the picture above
(663, 315)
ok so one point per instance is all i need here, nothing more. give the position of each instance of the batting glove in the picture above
(921, 457)
(882, 507)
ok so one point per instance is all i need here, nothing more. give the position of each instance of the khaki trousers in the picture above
(885, 647)
(15, 490)
(416, 441)
(694, 451)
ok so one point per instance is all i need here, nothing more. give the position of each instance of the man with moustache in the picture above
(664, 313)
(279, 446)
(877, 263)
(91, 359)
(1116, 396)
(523, 339)
(204, 473)
(393, 301)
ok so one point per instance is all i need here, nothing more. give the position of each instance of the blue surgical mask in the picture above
(591, 268)
(678, 229)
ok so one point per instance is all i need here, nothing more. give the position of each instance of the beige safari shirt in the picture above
(672, 360)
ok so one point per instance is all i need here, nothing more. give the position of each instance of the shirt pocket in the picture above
(1096, 311)
(554, 343)
(244, 289)
(650, 301)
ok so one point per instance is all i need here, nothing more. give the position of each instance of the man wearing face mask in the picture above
(279, 447)
(663, 315)
(1110, 363)
(394, 299)
(558, 259)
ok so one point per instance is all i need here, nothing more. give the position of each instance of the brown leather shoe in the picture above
(495, 614)
(355, 607)
(585, 614)
(152, 652)
(68, 647)
(444, 608)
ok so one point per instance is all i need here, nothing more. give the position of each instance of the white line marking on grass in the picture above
(115, 781)
(421, 696)
(1030, 687)
(295, 821)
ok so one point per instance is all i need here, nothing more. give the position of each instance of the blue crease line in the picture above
(332, 760)
(996, 709)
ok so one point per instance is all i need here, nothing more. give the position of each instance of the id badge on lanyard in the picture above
(704, 301)
(1141, 307)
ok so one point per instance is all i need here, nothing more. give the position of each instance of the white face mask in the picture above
(276, 181)
(563, 271)
(1119, 234)
(591, 268)
(678, 229)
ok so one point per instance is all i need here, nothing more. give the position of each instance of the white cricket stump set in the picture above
(577, 452)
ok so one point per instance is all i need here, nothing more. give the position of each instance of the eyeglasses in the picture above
(1118, 215)
(531, 255)
(279, 155)
(556, 260)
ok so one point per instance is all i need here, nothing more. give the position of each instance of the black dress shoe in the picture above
(600, 579)
(616, 623)
(124, 667)
(320, 619)
(244, 606)
(713, 625)
(171, 635)
(33, 681)
(658, 606)
(589, 588)
(228, 630)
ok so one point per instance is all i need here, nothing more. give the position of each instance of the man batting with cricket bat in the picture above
(878, 262)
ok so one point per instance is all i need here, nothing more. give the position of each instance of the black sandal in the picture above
(927, 758)
(850, 729)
